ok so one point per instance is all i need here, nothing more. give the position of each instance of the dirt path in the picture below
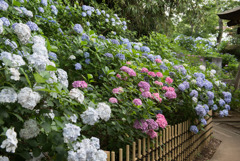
(228, 131)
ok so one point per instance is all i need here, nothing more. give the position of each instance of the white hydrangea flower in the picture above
(199, 89)
(193, 81)
(39, 158)
(104, 111)
(62, 77)
(73, 118)
(3, 158)
(11, 142)
(80, 155)
(53, 78)
(28, 13)
(1, 26)
(202, 67)
(90, 116)
(15, 74)
(16, 60)
(72, 57)
(23, 32)
(12, 44)
(76, 94)
(38, 40)
(50, 114)
(39, 61)
(28, 98)
(40, 49)
(213, 71)
(217, 83)
(71, 132)
(8, 95)
(30, 129)
(101, 155)
(194, 99)
(166, 61)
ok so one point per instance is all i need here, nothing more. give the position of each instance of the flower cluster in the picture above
(11, 142)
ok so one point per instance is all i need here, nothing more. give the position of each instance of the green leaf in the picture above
(91, 32)
(16, 3)
(36, 152)
(19, 117)
(39, 78)
(46, 126)
(51, 68)
(90, 76)
(52, 48)
(30, 85)
(83, 43)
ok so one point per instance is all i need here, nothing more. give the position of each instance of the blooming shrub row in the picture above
(118, 90)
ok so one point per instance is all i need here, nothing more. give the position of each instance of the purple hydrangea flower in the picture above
(184, 71)
(87, 61)
(145, 49)
(152, 124)
(210, 102)
(102, 37)
(194, 93)
(163, 67)
(114, 41)
(84, 14)
(86, 54)
(206, 108)
(200, 110)
(221, 102)
(52, 56)
(199, 82)
(40, 9)
(227, 107)
(44, 2)
(194, 129)
(199, 75)
(181, 87)
(89, 13)
(186, 84)
(85, 37)
(32, 26)
(108, 55)
(78, 28)
(203, 121)
(210, 95)
(88, 23)
(120, 56)
(142, 125)
(3, 5)
(208, 85)
(5, 21)
(215, 107)
(54, 10)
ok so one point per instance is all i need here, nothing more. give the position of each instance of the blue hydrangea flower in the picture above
(23, 9)
(215, 107)
(157, 57)
(163, 67)
(221, 102)
(86, 54)
(199, 82)
(199, 75)
(145, 49)
(225, 112)
(206, 108)
(227, 96)
(203, 121)
(78, 66)
(145, 54)
(124, 28)
(60, 30)
(13, 26)
(88, 23)
(210, 95)
(194, 129)
(107, 15)
(3, 5)
(194, 93)
(186, 84)
(210, 102)
(54, 10)
(208, 85)
(136, 47)
(12, 44)
(184, 71)
(221, 114)
(44, 2)
(89, 13)
(200, 110)
(78, 28)
(114, 41)
(87, 61)
(5, 21)
(32, 26)
(40, 9)
(84, 14)
(98, 12)
(129, 46)
(67, 8)
(227, 107)
(102, 37)
(120, 56)
(106, 20)
(124, 23)
(112, 19)
(85, 37)
(52, 56)
(181, 87)
(108, 55)
(171, 74)
(85, 8)
(151, 57)
(103, 12)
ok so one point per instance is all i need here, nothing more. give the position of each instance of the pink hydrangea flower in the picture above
(159, 116)
(113, 100)
(144, 85)
(158, 60)
(132, 73)
(128, 62)
(137, 101)
(159, 74)
(171, 89)
(169, 80)
(119, 76)
(117, 90)
(170, 95)
(158, 83)
(144, 70)
(152, 74)
(152, 124)
(152, 133)
(157, 97)
(165, 88)
(162, 122)
(146, 94)
(81, 84)
(128, 70)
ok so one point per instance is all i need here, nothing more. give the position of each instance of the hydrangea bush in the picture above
(73, 83)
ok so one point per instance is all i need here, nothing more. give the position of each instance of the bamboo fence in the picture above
(174, 143)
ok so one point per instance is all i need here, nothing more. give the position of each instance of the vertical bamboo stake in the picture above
(156, 147)
(164, 141)
(144, 149)
(148, 144)
(176, 139)
(173, 139)
(120, 154)
(167, 138)
(127, 153)
(112, 156)
(134, 151)
(161, 144)
(139, 149)
(108, 155)
(170, 143)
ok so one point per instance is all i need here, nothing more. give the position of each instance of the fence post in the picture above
(120, 154)
(139, 148)
(127, 153)
(144, 149)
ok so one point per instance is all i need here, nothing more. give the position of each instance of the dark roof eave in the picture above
(233, 14)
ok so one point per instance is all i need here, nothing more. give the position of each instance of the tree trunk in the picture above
(237, 80)
(220, 32)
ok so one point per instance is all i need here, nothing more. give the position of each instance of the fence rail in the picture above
(174, 143)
